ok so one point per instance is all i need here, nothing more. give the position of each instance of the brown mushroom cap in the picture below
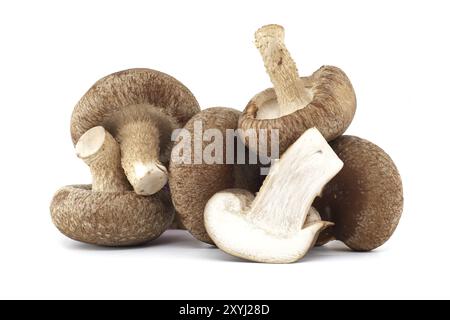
(159, 91)
(192, 185)
(110, 219)
(140, 108)
(325, 100)
(331, 110)
(365, 200)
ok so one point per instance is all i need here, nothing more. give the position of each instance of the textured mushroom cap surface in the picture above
(192, 185)
(331, 110)
(132, 87)
(110, 219)
(365, 200)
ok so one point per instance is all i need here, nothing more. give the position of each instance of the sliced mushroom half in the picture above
(271, 226)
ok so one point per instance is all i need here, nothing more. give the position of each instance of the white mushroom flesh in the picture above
(272, 226)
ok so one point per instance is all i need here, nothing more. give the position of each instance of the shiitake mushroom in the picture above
(365, 199)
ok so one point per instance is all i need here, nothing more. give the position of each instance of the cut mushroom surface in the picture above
(271, 226)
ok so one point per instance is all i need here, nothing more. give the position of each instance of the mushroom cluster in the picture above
(362, 203)
(158, 161)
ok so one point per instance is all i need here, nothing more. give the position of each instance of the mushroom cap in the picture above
(192, 185)
(159, 91)
(110, 218)
(331, 110)
(365, 199)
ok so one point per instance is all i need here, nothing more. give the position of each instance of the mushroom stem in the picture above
(310, 161)
(139, 143)
(141, 133)
(98, 149)
(289, 87)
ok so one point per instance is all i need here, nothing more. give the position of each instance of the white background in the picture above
(395, 52)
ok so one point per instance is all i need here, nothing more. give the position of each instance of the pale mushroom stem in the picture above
(101, 152)
(139, 143)
(289, 87)
(309, 160)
